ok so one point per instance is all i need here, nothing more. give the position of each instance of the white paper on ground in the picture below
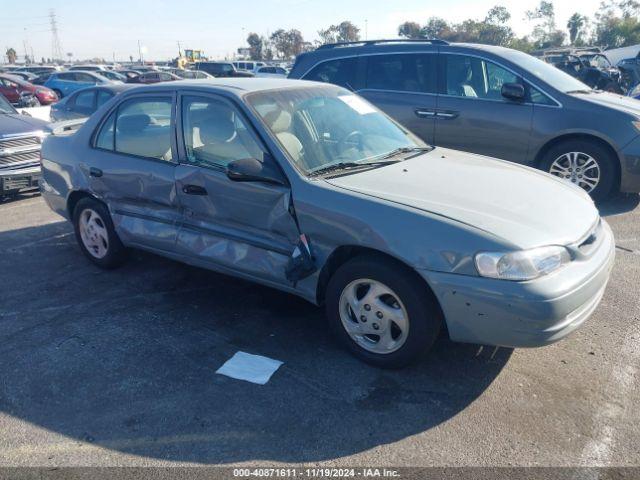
(252, 368)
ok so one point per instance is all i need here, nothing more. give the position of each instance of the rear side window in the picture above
(343, 72)
(140, 127)
(103, 97)
(84, 100)
(402, 72)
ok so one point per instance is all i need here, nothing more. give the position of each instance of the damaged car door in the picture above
(232, 220)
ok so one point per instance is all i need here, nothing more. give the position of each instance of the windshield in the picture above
(5, 106)
(547, 73)
(324, 126)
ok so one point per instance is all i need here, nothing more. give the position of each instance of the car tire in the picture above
(58, 93)
(557, 161)
(397, 293)
(95, 234)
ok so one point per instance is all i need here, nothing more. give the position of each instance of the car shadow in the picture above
(619, 204)
(126, 360)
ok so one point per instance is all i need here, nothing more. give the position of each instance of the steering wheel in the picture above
(342, 144)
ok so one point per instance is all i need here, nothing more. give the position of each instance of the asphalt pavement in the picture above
(118, 368)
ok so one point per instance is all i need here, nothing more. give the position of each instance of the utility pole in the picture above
(366, 29)
(140, 53)
(179, 50)
(56, 47)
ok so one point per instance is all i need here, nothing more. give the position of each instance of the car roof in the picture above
(235, 86)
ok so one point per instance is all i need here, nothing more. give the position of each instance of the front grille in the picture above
(16, 158)
(19, 142)
(19, 151)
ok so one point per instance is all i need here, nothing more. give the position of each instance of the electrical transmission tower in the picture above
(56, 47)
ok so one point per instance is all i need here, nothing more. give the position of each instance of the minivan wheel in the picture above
(583, 163)
(381, 311)
(95, 234)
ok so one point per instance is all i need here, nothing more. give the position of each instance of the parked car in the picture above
(190, 74)
(82, 103)
(14, 88)
(221, 69)
(65, 83)
(20, 142)
(249, 66)
(155, 77)
(493, 101)
(89, 68)
(39, 69)
(635, 93)
(113, 76)
(587, 65)
(27, 76)
(130, 75)
(272, 72)
(309, 188)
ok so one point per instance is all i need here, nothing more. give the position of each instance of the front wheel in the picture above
(587, 165)
(382, 311)
(95, 234)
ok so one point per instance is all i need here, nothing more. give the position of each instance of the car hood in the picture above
(522, 206)
(611, 100)
(15, 124)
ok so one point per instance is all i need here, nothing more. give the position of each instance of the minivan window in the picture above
(341, 72)
(142, 128)
(474, 77)
(402, 72)
(549, 74)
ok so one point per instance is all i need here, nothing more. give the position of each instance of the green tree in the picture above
(287, 43)
(545, 34)
(410, 30)
(576, 25)
(343, 32)
(256, 46)
(616, 24)
(11, 54)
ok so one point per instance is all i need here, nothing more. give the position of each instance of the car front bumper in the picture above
(524, 314)
(14, 180)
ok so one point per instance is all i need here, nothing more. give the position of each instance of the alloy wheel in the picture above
(93, 233)
(374, 316)
(578, 168)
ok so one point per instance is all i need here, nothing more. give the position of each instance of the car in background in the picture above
(129, 74)
(221, 69)
(635, 92)
(155, 77)
(272, 72)
(89, 68)
(113, 76)
(190, 74)
(14, 87)
(310, 189)
(249, 66)
(589, 66)
(82, 103)
(65, 83)
(28, 76)
(492, 101)
(40, 69)
(20, 141)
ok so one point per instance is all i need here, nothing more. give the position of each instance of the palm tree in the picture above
(11, 55)
(575, 25)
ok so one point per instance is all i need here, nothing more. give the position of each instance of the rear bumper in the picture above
(630, 167)
(14, 180)
(524, 314)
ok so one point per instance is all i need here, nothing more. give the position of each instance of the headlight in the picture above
(523, 264)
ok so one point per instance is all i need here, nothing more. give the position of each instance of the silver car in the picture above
(310, 189)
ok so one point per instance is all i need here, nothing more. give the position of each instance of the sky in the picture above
(112, 28)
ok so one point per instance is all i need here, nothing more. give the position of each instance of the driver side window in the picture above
(215, 134)
(476, 78)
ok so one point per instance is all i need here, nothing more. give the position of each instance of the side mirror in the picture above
(253, 170)
(513, 91)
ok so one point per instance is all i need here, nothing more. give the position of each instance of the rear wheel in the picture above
(58, 93)
(95, 234)
(381, 311)
(586, 164)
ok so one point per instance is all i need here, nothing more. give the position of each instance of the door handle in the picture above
(95, 172)
(194, 190)
(423, 113)
(447, 115)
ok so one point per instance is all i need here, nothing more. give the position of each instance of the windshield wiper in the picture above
(401, 150)
(580, 91)
(334, 167)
